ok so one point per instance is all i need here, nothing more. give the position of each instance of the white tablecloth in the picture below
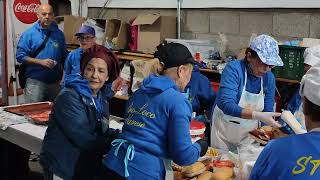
(30, 136)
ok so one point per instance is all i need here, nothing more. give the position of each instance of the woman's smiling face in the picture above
(96, 72)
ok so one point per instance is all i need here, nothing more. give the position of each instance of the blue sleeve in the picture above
(229, 90)
(65, 50)
(73, 121)
(23, 48)
(269, 91)
(180, 147)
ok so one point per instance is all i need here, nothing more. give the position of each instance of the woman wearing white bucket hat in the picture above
(311, 57)
(296, 157)
(246, 95)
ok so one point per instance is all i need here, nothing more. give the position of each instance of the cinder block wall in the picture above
(237, 24)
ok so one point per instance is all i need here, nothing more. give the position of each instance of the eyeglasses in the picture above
(82, 38)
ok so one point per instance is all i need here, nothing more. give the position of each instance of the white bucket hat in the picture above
(310, 84)
(312, 55)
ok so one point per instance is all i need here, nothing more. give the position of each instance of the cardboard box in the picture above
(117, 32)
(153, 29)
(69, 25)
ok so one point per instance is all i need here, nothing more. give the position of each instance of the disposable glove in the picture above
(266, 117)
(204, 146)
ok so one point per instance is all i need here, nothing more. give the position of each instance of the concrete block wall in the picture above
(237, 24)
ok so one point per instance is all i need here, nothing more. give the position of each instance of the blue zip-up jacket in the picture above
(231, 85)
(157, 124)
(55, 49)
(201, 94)
(294, 157)
(72, 64)
(74, 142)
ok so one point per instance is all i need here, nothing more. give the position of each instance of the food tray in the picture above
(37, 113)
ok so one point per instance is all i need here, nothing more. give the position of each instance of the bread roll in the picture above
(178, 175)
(205, 176)
(223, 173)
(193, 170)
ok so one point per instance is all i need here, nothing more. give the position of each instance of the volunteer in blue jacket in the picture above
(157, 122)
(200, 93)
(78, 132)
(246, 95)
(298, 156)
(311, 57)
(86, 37)
(44, 70)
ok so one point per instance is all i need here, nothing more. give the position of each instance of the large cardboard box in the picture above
(70, 25)
(153, 29)
(117, 32)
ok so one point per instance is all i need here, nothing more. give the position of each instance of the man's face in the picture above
(184, 73)
(45, 15)
(86, 41)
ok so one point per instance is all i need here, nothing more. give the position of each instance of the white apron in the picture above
(228, 132)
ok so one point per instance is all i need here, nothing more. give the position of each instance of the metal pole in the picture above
(179, 17)
(2, 55)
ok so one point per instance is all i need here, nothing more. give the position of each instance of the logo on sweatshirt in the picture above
(55, 44)
(26, 10)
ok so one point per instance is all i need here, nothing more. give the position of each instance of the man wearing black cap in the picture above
(157, 122)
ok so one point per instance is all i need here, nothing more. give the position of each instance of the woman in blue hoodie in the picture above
(78, 132)
(157, 122)
(246, 95)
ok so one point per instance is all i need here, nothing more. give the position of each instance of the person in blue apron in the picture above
(200, 93)
(246, 95)
(297, 156)
(156, 128)
(78, 131)
(311, 57)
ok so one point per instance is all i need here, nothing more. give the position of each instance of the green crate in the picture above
(293, 66)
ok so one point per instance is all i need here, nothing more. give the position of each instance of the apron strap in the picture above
(129, 154)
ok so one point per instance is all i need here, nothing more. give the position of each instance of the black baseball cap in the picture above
(173, 55)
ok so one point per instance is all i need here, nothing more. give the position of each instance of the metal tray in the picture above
(32, 110)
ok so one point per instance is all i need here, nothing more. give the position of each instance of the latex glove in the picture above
(204, 146)
(267, 117)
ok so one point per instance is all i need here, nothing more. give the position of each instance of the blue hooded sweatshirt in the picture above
(72, 63)
(201, 94)
(75, 138)
(294, 157)
(54, 49)
(231, 85)
(157, 125)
